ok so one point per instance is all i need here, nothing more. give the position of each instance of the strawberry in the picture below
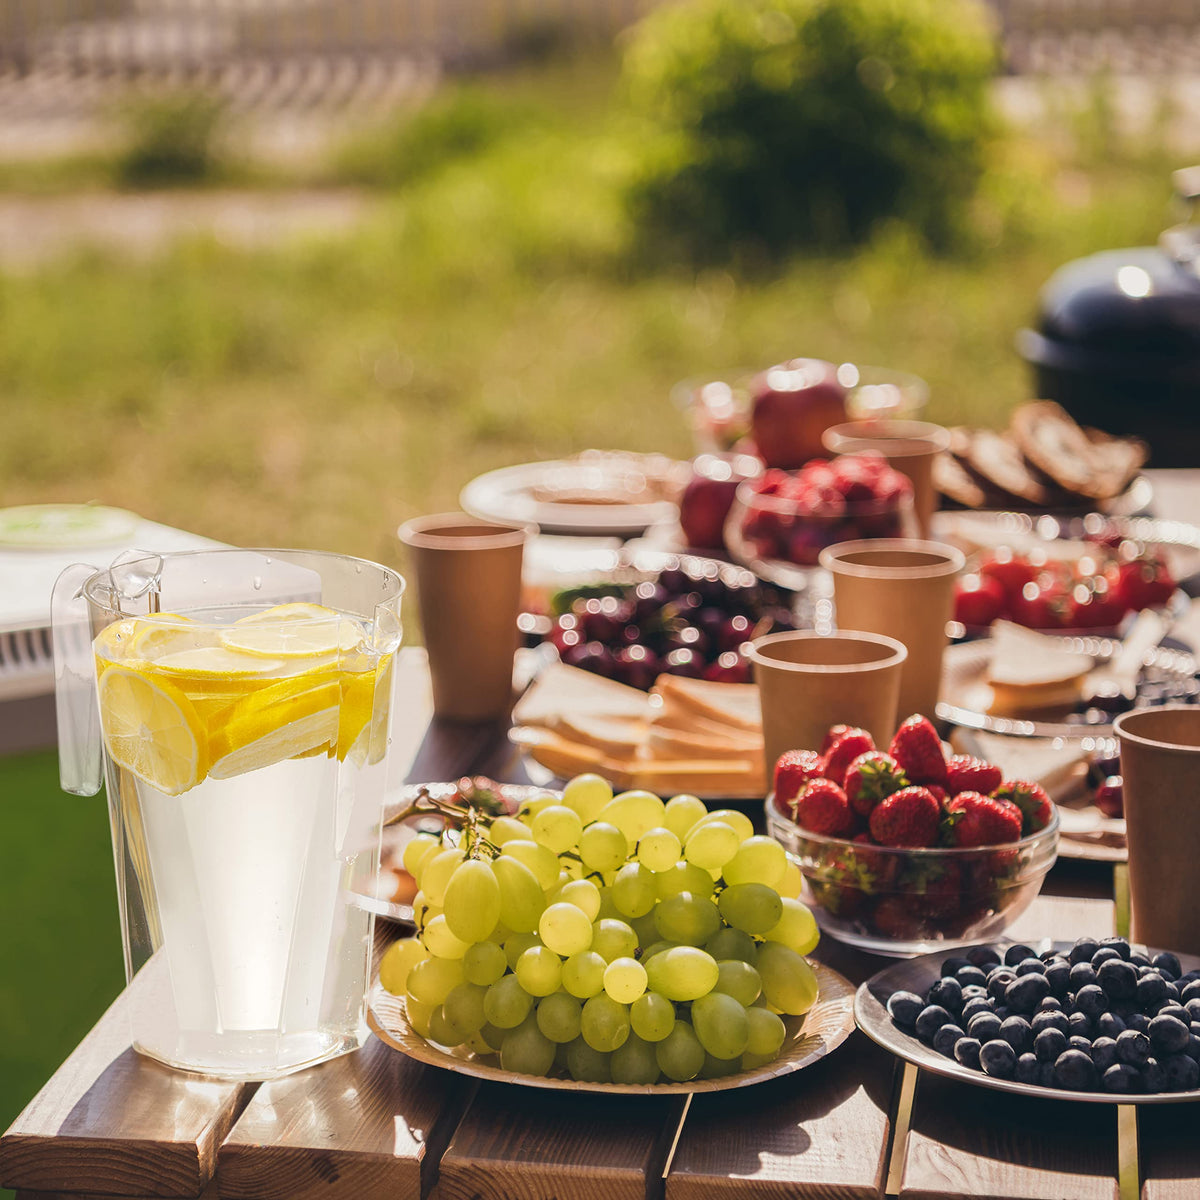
(977, 820)
(967, 774)
(845, 749)
(793, 770)
(869, 778)
(939, 793)
(918, 750)
(942, 895)
(891, 919)
(835, 732)
(1031, 799)
(876, 869)
(907, 818)
(822, 807)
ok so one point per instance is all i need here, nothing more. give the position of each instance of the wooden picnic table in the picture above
(859, 1123)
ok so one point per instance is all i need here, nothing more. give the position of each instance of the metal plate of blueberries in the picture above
(1168, 676)
(918, 975)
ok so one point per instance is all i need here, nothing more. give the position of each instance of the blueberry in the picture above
(1180, 1073)
(1046, 1076)
(930, 1019)
(952, 966)
(1091, 1001)
(1075, 1071)
(998, 1059)
(1049, 1044)
(904, 1008)
(1118, 979)
(984, 1026)
(970, 976)
(982, 956)
(1109, 1025)
(1138, 1022)
(1080, 1043)
(1151, 989)
(974, 990)
(998, 981)
(944, 1039)
(1028, 1069)
(973, 1008)
(1080, 1025)
(1016, 1031)
(1119, 944)
(1031, 966)
(1103, 955)
(1140, 961)
(1133, 1048)
(1168, 1035)
(1174, 1010)
(1172, 991)
(947, 993)
(1016, 954)
(1049, 956)
(1058, 975)
(1050, 1004)
(1051, 1020)
(1104, 1053)
(1152, 1077)
(1120, 1077)
(1002, 1011)
(1081, 975)
(966, 1050)
(1191, 991)
(1188, 977)
(1167, 962)
(1083, 950)
(1025, 993)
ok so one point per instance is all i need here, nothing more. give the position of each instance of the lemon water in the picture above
(237, 745)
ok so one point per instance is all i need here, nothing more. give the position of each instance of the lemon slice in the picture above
(293, 637)
(112, 642)
(366, 698)
(285, 720)
(152, 730)
(160, 633)
(208, 665)
(300, 610)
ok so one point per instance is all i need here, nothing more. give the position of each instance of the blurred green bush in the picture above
(775, 124)
(169, 138)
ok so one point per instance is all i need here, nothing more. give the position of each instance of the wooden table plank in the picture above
(371, 1124)
(1169, 1136)
(111, 1121)
(973, 1141)
(822, 1132)
(519, 1143)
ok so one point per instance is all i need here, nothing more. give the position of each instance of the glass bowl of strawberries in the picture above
(908, 850)
(781, 521)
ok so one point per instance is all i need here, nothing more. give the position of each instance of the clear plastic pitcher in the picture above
(239, 703)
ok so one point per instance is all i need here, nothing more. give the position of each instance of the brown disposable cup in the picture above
(808, 681)
(904, 590)
(468, 576)
(1160, 769)
(910, 447)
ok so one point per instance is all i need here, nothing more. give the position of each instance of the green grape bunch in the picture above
(606, 938)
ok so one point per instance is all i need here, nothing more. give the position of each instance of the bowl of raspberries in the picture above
(910, 849)
(781, 521)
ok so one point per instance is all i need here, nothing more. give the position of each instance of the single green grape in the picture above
(633, 890)
(584, 894)
(738, 821)
(613, 939)
(484, 963)
(750, 907)
(419, 1014)
(652, 1016)
(791, 883)
(796, 928)
(436, 872)
(680, 1055)
(558, 1017)
(587, 794)
(522, 900)
(732, 943)
(738, 979)
(464, 1008)
(682, 812)
(711, 844)
(644, 927)
(506, 1003)
(527, 1050)
(492, 1035)
(539, 971)
(683, 877)
(534, 805)
(718, 1068)
(624, 980)
(604, 1024)
(767, 1032)
(398, 959)
(430, 981)
(603, 847)
(789, 983)
(472, 904)
(758, 860)
(658, 849)
(444, 1030)
(542, 861)
(687, 918)
(635, 1061)
(516, 945)
(583, 974)
(588, 1065)
(656, 948)
(441, 941)
(416, 851)
(682, 973)
(721, 1025)
(565, 929)
(557, 827)
(633, 813)
(504, 829)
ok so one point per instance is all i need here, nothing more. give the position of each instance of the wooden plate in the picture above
(917, 975)
(809, 1039)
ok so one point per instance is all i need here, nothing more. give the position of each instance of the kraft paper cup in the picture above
(903, 589)
(809, 681)
(468, 579)
(1160, 769)
(909, 446)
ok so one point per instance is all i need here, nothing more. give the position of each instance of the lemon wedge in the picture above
(366, 698)
(151, 729)
(293, 717)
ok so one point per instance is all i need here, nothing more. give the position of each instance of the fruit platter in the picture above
(910, 848)
(606, 942)
(1096, 1020)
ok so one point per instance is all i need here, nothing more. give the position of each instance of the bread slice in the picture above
(1030, 672)
(999, 460)
(561, 689)
(664, 742)
(618, 737)
(732, 705)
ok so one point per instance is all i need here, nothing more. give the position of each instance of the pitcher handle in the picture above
(78, 712)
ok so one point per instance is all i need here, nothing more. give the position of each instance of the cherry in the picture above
(684, 661)
(1110, 797)
(637, 666)
(733, 632)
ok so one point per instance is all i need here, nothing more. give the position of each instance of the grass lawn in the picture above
(490, 313)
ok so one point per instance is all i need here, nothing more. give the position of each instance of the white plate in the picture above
(512, 494)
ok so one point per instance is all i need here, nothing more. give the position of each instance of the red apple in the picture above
(708, 496)
(794, 403)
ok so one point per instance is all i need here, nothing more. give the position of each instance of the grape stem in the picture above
(463, 816)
